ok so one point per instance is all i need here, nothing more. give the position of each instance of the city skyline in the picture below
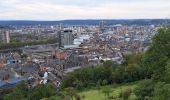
(78, 9)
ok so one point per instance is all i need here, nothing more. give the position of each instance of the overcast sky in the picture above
(83, 9)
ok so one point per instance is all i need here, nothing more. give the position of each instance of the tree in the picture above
(156, 57)
(144, 89)
(78, 85)
(18, 93)
(161, 91)
(98, 85)
(125, 94)
(71, 92)
(109, 64)
(132, 72)
(133, 59)
(41, 91)
(167, 73)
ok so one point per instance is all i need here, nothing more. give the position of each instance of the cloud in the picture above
(83, 9)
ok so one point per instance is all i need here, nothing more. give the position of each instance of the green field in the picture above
(97, 94)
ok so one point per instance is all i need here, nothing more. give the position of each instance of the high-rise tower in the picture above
(101, 26)
(7, 36)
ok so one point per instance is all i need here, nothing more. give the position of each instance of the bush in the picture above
(144, 89)
(125, 94)
(107, 90)
(22, 92)
(161, 91)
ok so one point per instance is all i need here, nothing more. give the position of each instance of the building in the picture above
(67, 37)
(4, 36)
(7, 37)
(1, 35)
(102, 26)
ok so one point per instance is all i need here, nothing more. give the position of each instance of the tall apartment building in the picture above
(1, 35)
(7, 37)
(102, 26)
(66, 37)
(4, 36)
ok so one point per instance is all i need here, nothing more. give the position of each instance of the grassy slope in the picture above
(95, 94)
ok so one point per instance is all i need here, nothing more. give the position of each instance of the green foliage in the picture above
(104, 82)
(41, 91)
(133, 59)
(109, 64)
(18, 93)
(89, 77)
(158, 54)
(156, 64)
(105, 74)
(22, 92)
(70, 93)
(144, 89)
(161, 91)
(107, 90)
(21, 44)
(167, 73)
(125, 94)
(95, 94)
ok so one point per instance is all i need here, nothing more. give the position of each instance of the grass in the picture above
(96, 94)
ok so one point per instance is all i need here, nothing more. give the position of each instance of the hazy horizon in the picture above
(86, 19)
(56, 10)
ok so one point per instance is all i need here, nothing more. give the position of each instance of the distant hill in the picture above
(5, 27)
(84, 22)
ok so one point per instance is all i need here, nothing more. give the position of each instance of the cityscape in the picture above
(80, 59)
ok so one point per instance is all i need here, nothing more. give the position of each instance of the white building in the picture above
(7, 36)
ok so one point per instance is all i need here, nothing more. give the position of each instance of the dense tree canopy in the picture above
(105, 74)
(156, 62)
(156, 57)
(23, 92)
(15, 44)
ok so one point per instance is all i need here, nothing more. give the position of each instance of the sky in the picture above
(83, 9)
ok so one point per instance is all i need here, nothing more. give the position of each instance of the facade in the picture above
(7, 37)
(67, 37)
(4, 36)
(1, 36)
(102, 26)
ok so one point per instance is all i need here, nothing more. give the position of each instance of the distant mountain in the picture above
(84, 22)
